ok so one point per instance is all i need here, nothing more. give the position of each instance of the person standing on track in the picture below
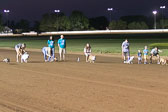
(125, 50)
(145, 52)
(51, 44)
(20, 49)
(62, 47)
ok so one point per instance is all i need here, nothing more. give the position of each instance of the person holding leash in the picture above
(87, 51)
(62, 47)
(125, 50)
(51, 44)
(20, 49)
(155, 52)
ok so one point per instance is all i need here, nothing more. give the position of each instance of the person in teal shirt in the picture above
(51, 44)
(62, 47)
(145, 52)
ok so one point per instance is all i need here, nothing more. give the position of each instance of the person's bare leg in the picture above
(63, 56)
(17, 58)
(87, 57)
(158, 59)
(60, 56)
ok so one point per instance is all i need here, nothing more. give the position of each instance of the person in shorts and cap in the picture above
(87, 51)
(62, 47)
(125, 50)
(20, 49)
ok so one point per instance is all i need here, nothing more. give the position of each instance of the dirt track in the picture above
(106, 86)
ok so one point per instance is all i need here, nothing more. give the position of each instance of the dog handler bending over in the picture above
(46, 52)
(125, 50)
(87, 51)
(20, 49)
(155, 52)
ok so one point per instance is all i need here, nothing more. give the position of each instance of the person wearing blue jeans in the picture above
(51, 44)
(47, 53)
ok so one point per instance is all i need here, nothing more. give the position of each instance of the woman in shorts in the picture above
(87, 51)
(20, 49)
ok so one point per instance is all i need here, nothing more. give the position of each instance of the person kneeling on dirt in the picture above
(20, 50)
(155, 52)
(87, 51)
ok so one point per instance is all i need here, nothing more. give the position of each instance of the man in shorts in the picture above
(155, 52)
(62, 47)
(125, 50)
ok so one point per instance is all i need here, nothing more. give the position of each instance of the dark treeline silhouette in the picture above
(77, 21)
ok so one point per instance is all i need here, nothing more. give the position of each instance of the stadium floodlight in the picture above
(154, 13)
(6, 12)
(110, 10)
(162, 8)
(57, 11)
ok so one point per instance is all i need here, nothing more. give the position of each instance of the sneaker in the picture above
(125, 61)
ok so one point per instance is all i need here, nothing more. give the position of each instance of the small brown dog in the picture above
(163, 61)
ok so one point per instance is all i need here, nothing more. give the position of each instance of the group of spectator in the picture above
(154, 53)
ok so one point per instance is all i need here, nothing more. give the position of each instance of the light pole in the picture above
(110, 10)
(57, 11)
(6, 12)
(154, 13)
(162, 8)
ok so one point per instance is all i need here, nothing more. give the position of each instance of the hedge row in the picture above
(159, 45)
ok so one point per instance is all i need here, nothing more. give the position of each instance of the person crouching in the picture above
(87, 51)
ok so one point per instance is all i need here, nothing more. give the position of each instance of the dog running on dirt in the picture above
(163, 61)
(130, 61)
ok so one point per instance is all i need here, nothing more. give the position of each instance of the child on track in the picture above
(145, 52)
(139, 57)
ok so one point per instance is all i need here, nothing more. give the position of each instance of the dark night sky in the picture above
(33, 9)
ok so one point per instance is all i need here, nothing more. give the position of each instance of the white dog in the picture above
(6, 60)
(130, 61)
(92, 59)
(24, 57)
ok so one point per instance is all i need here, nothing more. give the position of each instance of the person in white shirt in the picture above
(125, 50)
(155, 52)
(87, 51)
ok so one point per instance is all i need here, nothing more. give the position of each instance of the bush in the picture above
(159, 45)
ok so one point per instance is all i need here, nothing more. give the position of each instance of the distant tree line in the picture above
(77, 21)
